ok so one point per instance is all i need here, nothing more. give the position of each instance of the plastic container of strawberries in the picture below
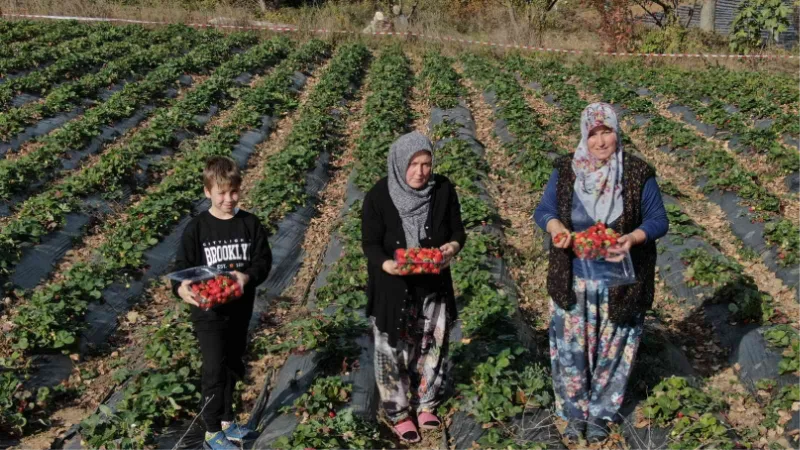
(612, 273)
(593, 248)
(214, 287)
(419, 261)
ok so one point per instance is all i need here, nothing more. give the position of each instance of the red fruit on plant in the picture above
(331, 414)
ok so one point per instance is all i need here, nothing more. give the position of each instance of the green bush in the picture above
(752, 18)
(678, 39)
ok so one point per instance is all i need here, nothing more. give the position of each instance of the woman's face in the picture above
(602, 142)
(419, 169)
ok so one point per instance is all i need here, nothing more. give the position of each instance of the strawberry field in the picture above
(104, 131)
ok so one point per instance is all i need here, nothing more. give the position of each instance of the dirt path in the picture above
(515, 203)
(291, 305)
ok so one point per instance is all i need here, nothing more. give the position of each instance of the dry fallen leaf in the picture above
(132, 316)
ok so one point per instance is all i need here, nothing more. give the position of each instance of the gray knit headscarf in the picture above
(412, 204)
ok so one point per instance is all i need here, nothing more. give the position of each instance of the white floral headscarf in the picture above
(598, 183)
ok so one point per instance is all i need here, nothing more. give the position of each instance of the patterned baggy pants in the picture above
(410, 375)
(591, 357)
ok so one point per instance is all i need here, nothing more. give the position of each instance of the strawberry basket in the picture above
(595, 260)
(213, 287)
(418, 261)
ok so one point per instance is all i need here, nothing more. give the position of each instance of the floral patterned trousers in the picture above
(416, 366)
(591, 357)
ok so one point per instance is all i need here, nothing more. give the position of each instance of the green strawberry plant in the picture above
(786, 237)
(281, 189)
(503, 438)
(531, 144)
(154, 396)
(16, 174)
(787, 338)
(547, 71)
(681, 226)
(115, 43)
(344, 430)
(322, 399)
(158, 46)
(386, 114)
(705, 431)
(496, 379)
(68, 38)
(20, 36)
(745, 301)
(783, 400)
(503, 387)
(439, 80)
(676, 398)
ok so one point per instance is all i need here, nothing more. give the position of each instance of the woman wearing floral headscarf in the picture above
(595, 329)
(411, 315)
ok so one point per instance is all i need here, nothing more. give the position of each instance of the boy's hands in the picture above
(241, 278)
(186, 294)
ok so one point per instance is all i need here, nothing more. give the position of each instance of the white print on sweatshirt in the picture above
(227, 250)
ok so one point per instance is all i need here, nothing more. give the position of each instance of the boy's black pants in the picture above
(223, 340)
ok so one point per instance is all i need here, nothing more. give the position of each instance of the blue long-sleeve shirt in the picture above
(654, 217)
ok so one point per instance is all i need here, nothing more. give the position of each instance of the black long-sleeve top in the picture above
(382, 233)
(239, 243)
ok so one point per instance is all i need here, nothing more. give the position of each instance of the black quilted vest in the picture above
(627, 302)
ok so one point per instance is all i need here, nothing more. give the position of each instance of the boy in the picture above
(228, 238)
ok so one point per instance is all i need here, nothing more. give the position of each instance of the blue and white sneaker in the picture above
(236, 433)
(218, 441)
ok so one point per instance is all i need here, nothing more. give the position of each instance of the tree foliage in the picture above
(752, 18)
(616, 22)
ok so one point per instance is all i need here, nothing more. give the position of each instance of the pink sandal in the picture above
(407, 431)
(428, 421)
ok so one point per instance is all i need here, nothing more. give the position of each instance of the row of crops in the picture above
(105, 130)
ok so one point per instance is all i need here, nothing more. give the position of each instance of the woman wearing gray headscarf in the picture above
(411, 315)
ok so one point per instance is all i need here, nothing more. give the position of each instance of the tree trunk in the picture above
(512, 16)
(707, 15)
(796, 15)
